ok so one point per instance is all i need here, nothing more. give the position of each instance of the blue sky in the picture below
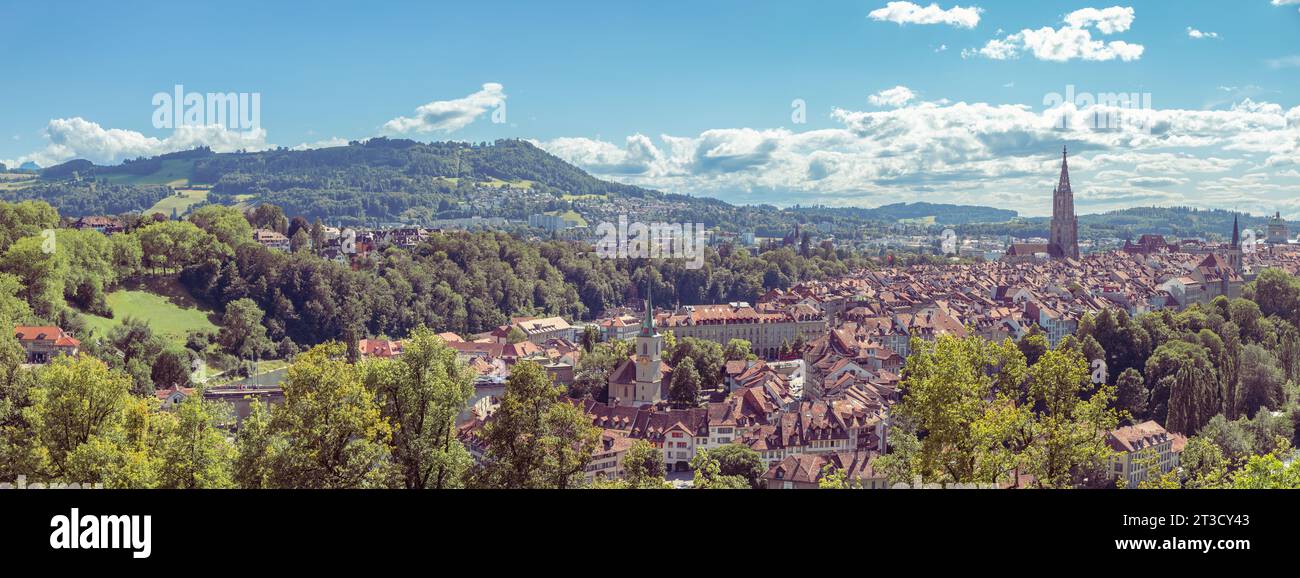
(696, 97)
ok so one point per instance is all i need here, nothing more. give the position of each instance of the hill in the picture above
(385, 181)
(1131, 223)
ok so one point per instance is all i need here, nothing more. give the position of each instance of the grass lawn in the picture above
(571, 215)
(181, 202)
(174, 172)
(517, 183)
(10, 184)
(168, 308)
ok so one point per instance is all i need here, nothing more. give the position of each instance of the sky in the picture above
(839, 103)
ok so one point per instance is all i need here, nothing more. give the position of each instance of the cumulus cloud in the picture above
(71, 138)
(321, 144)
(1073, 41)
(909, 13)
(1198, 35)
(448, 116)
(969, 152)
(1106, 21)
(638, 156)
(893, 97)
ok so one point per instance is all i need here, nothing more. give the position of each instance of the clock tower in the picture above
(649, 354)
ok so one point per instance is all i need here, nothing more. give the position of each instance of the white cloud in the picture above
(893, 97)
(321, 144)
(979, 153)
(447, 116)
(1107, 20)
(909, 13)
(72, 138)
(1073, 41)
(1198, 35)
(1284, 62)
(1060, 45)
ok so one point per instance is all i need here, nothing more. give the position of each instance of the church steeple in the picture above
(648, 323)
(1236, 233)
(648, 387)
(1064, 185)
(1064, 243)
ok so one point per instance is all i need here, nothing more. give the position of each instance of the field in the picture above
(9, 182)
(571, 215)
(180, 202)
(168, 308)
(174, 173)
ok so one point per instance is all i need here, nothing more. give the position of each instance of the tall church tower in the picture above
(1234, 250)
(649, 352)
(1064, 243)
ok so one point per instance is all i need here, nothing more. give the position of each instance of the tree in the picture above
(1267, 472)
(127, 453)
(738, 350)
(960, 402)
(833, 478)
(42, 274)
(591, 377)
(1203, 464)
(535, 439)
(171, 369)
(742, 461)
(19, 452)
(590, 337)
(133, 349)
(706, 356)
(77, 397)
(1277, 293)
(198, 455)
(300, 241)
(1033, 345)
(516, 335)
(709, 476)
(1261, 380)
(255, 447)
(1126, 343)
(171, 245)
(1132, 394)
(242, 333)
(226, 223)
(643, 466)
(1185, 393)
(1069, 434)
(568, 445)
(268, 216)
(422, 392)
(684, 389)
(333, 431)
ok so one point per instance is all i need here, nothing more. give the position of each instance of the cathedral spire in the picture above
(1064, 242)
(1236, 233)
(1064, 185)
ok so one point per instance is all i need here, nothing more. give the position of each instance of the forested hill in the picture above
(388, 181)
(1131, 223)
(385, 181)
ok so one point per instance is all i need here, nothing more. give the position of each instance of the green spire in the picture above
(648, 324)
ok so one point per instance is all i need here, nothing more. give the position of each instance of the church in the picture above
(1063, 242)
(644, 378)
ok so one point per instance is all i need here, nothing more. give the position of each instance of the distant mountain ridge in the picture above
(400, 180)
